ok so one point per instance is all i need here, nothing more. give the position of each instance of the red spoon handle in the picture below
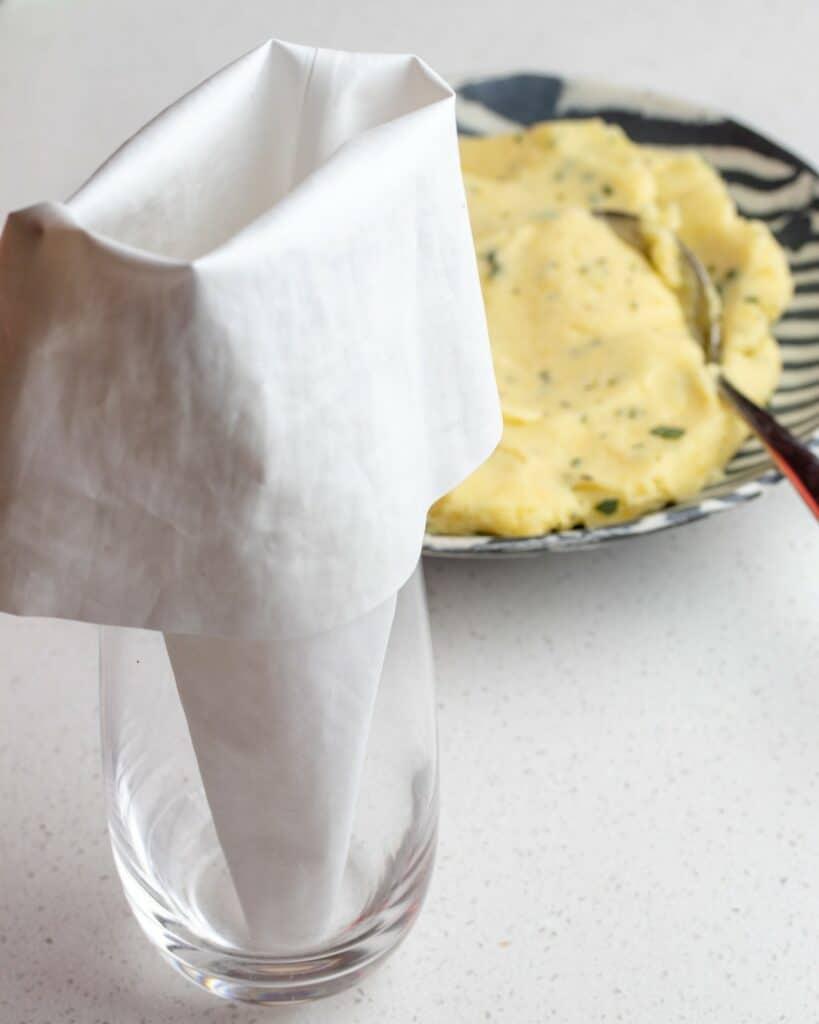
(796, 460)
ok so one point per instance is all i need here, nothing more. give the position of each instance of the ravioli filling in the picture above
(609, 407)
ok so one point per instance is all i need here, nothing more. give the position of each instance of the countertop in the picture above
(629, 737)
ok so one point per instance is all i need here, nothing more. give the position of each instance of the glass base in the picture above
(270, 980)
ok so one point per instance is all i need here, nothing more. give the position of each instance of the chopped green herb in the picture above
(730, 275)
(751, 298)
(584, 347)
(668, 433)
(608, 506)
(494, 263)
(576, 461)
(545, 376)
(607, 189)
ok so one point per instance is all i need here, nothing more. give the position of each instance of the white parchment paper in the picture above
(236, 368)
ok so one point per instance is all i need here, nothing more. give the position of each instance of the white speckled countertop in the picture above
(630, 738)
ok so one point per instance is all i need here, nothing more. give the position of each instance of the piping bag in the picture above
(236, 369)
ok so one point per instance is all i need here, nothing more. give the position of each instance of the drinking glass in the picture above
(169, 857)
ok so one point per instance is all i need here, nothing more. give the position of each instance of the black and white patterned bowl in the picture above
(766, 181)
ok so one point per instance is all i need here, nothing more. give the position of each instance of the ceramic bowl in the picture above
(767, 182)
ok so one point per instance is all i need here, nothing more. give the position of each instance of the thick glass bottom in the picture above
(268, 980)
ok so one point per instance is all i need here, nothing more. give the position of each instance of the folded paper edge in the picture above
(447, 97)
(485, 433)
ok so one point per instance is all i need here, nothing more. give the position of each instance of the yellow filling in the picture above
(609, 407)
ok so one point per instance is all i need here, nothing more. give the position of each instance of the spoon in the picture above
(795, 459)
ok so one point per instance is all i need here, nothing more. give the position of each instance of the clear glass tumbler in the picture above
(173, 867)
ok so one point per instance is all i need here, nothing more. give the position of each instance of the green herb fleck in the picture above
(730, 275)
(607, 189)
(491, 257)
(608, 506)
(576, 461)
(545, 376)
(751, 298)
(584, 347)
(668, 433)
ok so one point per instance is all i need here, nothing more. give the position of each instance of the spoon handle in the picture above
(796, 460)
